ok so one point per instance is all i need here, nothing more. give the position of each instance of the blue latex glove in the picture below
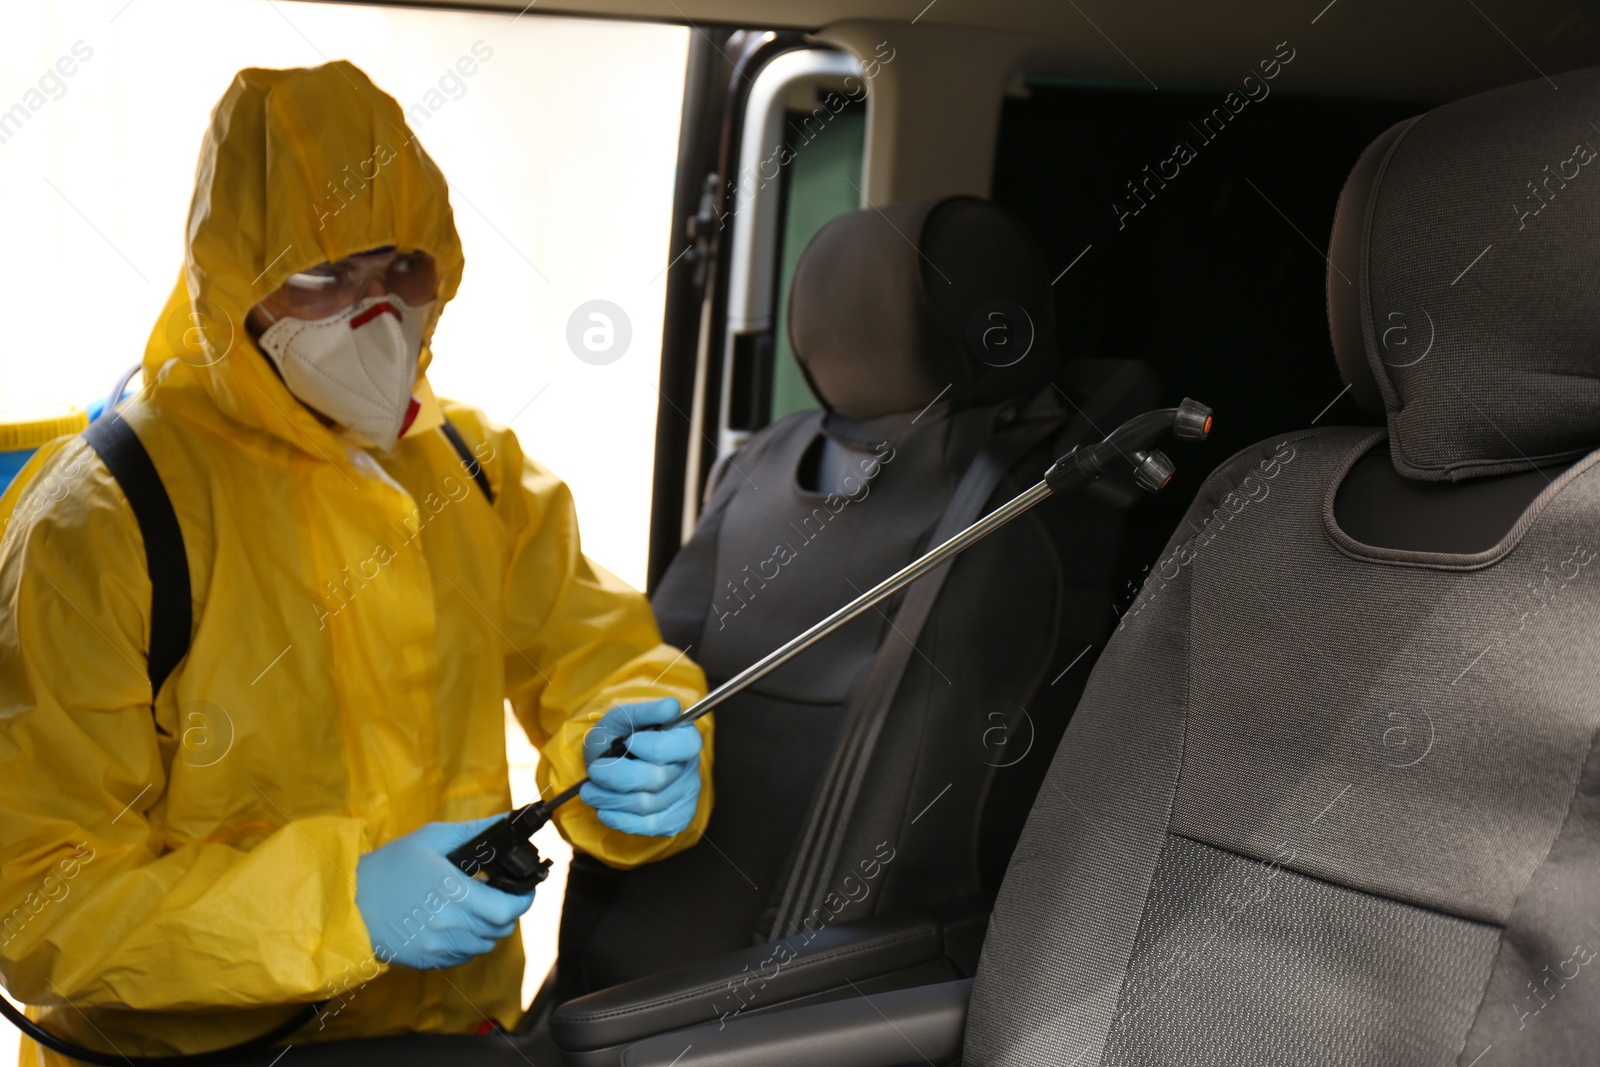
(654, 793)
(421, 911)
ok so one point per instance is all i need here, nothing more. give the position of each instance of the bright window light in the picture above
(560, 148)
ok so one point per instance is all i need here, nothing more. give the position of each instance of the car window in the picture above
(823, 182)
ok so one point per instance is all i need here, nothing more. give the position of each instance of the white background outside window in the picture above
(560, 149)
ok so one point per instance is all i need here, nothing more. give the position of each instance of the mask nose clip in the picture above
(380, 308)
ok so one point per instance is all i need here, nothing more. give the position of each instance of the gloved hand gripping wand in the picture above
(506, 857)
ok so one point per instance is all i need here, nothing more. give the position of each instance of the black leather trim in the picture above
(1378, 506)
(1448, 561)
(924, 1024)
(746, 980)
(396, 1050)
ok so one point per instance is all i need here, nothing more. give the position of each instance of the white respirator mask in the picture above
(358, 367)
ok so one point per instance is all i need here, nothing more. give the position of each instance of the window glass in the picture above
(824, 182)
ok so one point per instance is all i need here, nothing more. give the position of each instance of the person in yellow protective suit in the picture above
(179, 870)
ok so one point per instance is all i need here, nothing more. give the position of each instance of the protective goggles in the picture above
(332, 287)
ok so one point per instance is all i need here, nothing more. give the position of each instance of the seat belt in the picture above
(171, 604)
(832, 813)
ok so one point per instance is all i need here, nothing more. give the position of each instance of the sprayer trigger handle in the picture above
(518, 870)
(503, 854)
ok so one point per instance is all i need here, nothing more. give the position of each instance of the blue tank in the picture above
(24, 428)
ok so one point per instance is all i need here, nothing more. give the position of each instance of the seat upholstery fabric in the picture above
(1334, 803)
(1410, 731)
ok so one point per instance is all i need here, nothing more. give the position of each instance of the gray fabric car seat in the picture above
(1332, 795)
(888, 317)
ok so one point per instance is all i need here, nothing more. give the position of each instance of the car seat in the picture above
(1332, 795)
(927, 333)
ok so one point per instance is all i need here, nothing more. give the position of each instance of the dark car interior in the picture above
(1291, 762)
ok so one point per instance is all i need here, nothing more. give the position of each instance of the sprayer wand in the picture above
(507, 859)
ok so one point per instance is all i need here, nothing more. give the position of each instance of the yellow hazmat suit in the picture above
(359, 622)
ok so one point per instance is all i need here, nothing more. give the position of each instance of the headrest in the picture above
(893, 304)
(1464, 281)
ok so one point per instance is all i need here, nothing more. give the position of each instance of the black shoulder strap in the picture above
(171, 610)
(468, 460)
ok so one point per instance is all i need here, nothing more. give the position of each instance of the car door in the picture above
(773, 147)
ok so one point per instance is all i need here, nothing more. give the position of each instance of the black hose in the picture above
(195, 1059)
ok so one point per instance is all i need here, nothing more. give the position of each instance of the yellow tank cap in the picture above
(27, 426)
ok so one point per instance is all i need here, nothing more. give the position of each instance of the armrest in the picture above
(924, 1024)
(754, 978)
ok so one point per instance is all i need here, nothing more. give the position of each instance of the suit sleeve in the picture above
(98, 903)
(583, 641)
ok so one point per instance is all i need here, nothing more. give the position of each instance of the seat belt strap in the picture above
(835, 805)
(468, 460)
(171, 606)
